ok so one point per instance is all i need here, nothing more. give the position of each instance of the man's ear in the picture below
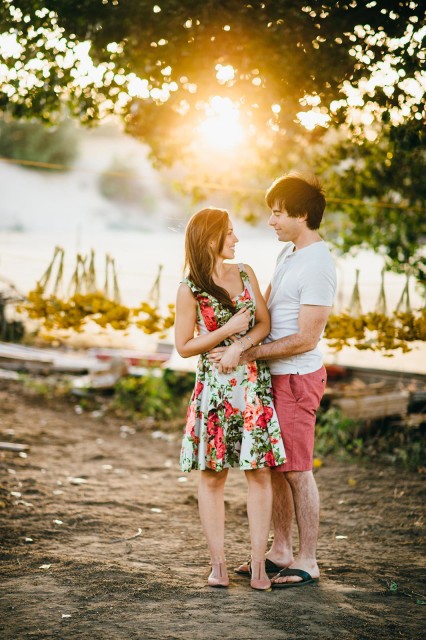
(303, 217)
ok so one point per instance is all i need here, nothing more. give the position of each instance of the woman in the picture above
(231, 421)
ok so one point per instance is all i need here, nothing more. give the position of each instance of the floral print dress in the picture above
(231, 421)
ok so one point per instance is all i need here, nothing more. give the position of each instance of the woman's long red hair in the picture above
(206, 227)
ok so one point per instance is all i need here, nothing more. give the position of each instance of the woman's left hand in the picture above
(214, 356)
(230, 358)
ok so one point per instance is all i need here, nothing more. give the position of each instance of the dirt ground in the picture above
(72, 567)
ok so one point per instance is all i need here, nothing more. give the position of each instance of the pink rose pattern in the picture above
(231, 421)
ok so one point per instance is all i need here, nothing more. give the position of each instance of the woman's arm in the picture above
(231, 354)
(267, 293)
(263, 320)
(186, 317)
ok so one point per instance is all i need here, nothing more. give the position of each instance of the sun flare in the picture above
(313, 118)
(222, 129)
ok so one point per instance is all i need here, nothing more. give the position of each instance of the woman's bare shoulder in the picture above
(249, 270)
(184, 286)
(184, 291)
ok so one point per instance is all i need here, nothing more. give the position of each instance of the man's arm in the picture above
(312, 321)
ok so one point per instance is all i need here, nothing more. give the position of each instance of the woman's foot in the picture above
(270, 567)
(274, 562)
(259, 580)
(219, 575)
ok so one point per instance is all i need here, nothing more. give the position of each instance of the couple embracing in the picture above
(260, 380)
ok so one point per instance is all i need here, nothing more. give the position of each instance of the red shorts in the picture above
(296, 399)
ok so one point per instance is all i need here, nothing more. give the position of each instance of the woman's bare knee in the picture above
(213, 479)
(259, 476)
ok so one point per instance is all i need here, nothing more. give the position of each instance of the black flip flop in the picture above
(306, 578)
(270, 567)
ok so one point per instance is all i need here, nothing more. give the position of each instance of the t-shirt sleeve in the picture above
(318, 286)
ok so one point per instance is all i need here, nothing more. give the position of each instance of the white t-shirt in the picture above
(305, 276)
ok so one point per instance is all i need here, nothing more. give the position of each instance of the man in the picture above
(299, 299)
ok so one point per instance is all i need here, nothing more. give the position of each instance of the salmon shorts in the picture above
(296, 399)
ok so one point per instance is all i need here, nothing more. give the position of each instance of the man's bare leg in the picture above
(306, 503)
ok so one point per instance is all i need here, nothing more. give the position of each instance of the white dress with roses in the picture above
(231, 421)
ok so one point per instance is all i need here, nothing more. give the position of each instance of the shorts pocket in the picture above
(296, 387)
(317, 389)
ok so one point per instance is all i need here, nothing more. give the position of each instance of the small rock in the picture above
(77, 481)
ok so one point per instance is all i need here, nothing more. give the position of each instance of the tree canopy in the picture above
(158, 63)
(231, 86)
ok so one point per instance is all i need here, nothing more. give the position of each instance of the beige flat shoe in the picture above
(261, 584)
(221, 578)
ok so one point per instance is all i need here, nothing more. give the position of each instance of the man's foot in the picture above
(297, 574)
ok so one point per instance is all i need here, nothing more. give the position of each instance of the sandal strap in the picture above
(294, 572)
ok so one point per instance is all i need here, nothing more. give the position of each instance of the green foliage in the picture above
(147, 396)
(397, 444)
(180, 383)
(389, 171)
(336, 434)
(33, 141)
(393, 588)
(48, 389)
(281, 51)
(158, 396)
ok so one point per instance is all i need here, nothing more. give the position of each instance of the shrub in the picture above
(180, 383)
(389, 442)
(336, 434)
(33, 141)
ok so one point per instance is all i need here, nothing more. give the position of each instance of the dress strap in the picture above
(243, 274)
(190, 284)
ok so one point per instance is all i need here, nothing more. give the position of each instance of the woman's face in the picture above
(228, 250)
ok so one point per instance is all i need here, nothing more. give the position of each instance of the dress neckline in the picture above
(240, 266)
(243, 276)
(239, 294)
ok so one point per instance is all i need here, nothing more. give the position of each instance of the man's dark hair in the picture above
(298, 195)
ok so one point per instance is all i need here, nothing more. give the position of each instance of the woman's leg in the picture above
(259, 510)
(212, 513)
(281, 551)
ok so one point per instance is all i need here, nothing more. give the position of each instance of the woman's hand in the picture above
(239, 323)
(230, 358)
(214, 356)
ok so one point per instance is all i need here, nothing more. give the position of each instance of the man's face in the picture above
(287, 228)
